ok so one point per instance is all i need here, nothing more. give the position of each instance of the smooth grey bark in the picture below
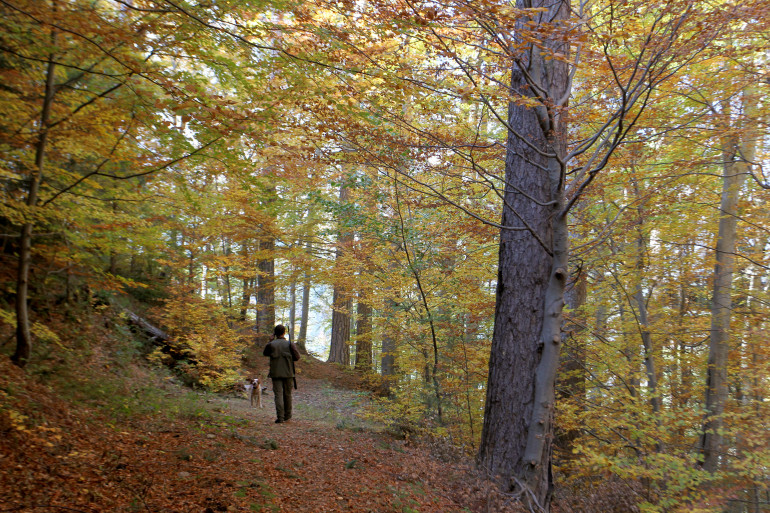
(641, 300)
(342, 301)
(737, 154)
(23, 334)
(680, 395)
(629, 347)
(649, 361)
(517, 435)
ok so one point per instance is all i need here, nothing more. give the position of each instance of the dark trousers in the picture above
(282, 390)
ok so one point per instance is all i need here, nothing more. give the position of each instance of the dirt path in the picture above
(327, 459)
(206, 453)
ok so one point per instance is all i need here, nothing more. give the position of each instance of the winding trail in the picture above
(207, 453)
(327, 459)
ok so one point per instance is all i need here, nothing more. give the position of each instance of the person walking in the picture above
(283, 354)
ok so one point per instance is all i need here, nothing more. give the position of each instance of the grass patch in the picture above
(102, 369)
(115, 396)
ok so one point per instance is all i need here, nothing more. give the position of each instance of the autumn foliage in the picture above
(220, 167)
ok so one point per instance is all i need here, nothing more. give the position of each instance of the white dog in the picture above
(254, 391)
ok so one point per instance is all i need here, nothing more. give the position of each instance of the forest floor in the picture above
(150, 445)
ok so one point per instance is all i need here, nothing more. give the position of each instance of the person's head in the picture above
(279, 331)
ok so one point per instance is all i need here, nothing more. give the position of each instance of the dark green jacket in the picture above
(282, 355)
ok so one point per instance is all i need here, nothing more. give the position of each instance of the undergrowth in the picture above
(98, 364)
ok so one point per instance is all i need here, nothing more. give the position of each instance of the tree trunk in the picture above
(642, 241)
(523, 277)
(246, 297)
(363, 335)
(339, 350)
(305, 309)
(342, 302)
(518, 418)
(680, 394)
(228, 292)
(190, 266)
(265, 321)
(390, 328)
(247, 286)
(23, 334)
(292, 305)
(737, 155)
(388, 363)
(649, 361)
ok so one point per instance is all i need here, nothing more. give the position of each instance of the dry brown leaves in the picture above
(55, 456)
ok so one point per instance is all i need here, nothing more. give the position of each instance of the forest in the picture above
(539, 230)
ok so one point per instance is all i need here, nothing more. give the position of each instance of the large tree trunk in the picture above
(342, 302)
(23, 334)
(518, 418)
(737, 157)
(523, 277)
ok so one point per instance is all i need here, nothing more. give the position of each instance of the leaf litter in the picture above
(63, 455)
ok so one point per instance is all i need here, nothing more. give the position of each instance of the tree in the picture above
(342, 301)
(540, 190)
(518, 419)
(363, 334)
(738, 154)
(91, 57)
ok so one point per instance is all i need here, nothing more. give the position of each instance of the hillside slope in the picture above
(136, 440)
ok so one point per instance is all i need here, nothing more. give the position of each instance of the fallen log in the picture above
(145, 326)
